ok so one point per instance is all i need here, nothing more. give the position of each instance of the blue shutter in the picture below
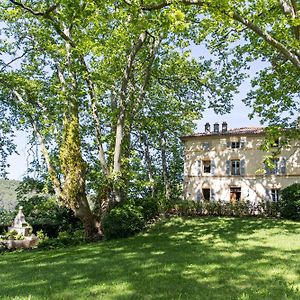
(198, 195)
(199, 168)
(267, 169)
(212, 167)
(228, 163)
(228, 144)
(269, 194)
(283, 166)
(212, 195)
(242, 167)
(242, 144)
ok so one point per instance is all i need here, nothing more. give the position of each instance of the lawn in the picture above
(203, 258)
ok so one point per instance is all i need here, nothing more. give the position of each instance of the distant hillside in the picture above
(8, 195)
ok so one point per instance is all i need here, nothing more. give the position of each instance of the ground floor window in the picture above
(235, 194)
(275, 195)
(206, 194)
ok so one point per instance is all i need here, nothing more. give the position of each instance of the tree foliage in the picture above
(107, 87)
(252, 31)
(289, 204)
(96, 82)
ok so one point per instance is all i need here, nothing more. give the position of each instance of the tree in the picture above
(266, 30)
(87, 101)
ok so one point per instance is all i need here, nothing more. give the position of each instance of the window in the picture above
(235, 167)
(273, 168)
(206, 166)
(206, 194)
(235, 194)
(235, 145)
(205, 146)
(275, 195)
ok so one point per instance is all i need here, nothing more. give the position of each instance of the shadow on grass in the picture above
(205, 258)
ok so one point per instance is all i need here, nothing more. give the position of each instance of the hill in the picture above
(8, 195)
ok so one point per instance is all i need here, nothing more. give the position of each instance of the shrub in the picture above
(6, 219)
(149, 207)
(44, 213)
(224, 208)
(289, 204)
(63, 240)
(123, 221)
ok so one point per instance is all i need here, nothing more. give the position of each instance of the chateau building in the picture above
(228, 165)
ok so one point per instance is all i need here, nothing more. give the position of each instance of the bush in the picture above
(123, 221)
(63, 240)
(149, 207)
(289, 204)
(6, 219)
(224, 208)
(43, 213)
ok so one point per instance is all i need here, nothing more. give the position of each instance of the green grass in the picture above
(204, 258)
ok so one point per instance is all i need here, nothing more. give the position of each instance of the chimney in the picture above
(224, 127)
(216, 127)
(207, 128)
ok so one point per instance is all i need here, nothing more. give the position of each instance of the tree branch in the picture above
(35, 13)
(269, 39)
(13, 60)
(53, 175)
(293, 58)
(123, 95)
(46, 15)
(96, 118)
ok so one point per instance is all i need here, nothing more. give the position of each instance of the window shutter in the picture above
(199, 168)
(212, 167)
(212, 195)
(267, 169)
(228, 167)
(242, 166)
(269, 194)
(242, 143)
(229, 144)
(283, 166)
(198, 195)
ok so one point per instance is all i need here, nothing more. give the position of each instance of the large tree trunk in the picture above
(74, 171)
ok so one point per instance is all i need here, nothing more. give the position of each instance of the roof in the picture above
(234, 131)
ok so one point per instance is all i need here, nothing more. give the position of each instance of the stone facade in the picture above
(228, 165)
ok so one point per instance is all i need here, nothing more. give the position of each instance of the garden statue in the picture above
(20, 225)
(19, 234)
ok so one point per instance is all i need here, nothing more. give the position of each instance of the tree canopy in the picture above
(107, 87)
